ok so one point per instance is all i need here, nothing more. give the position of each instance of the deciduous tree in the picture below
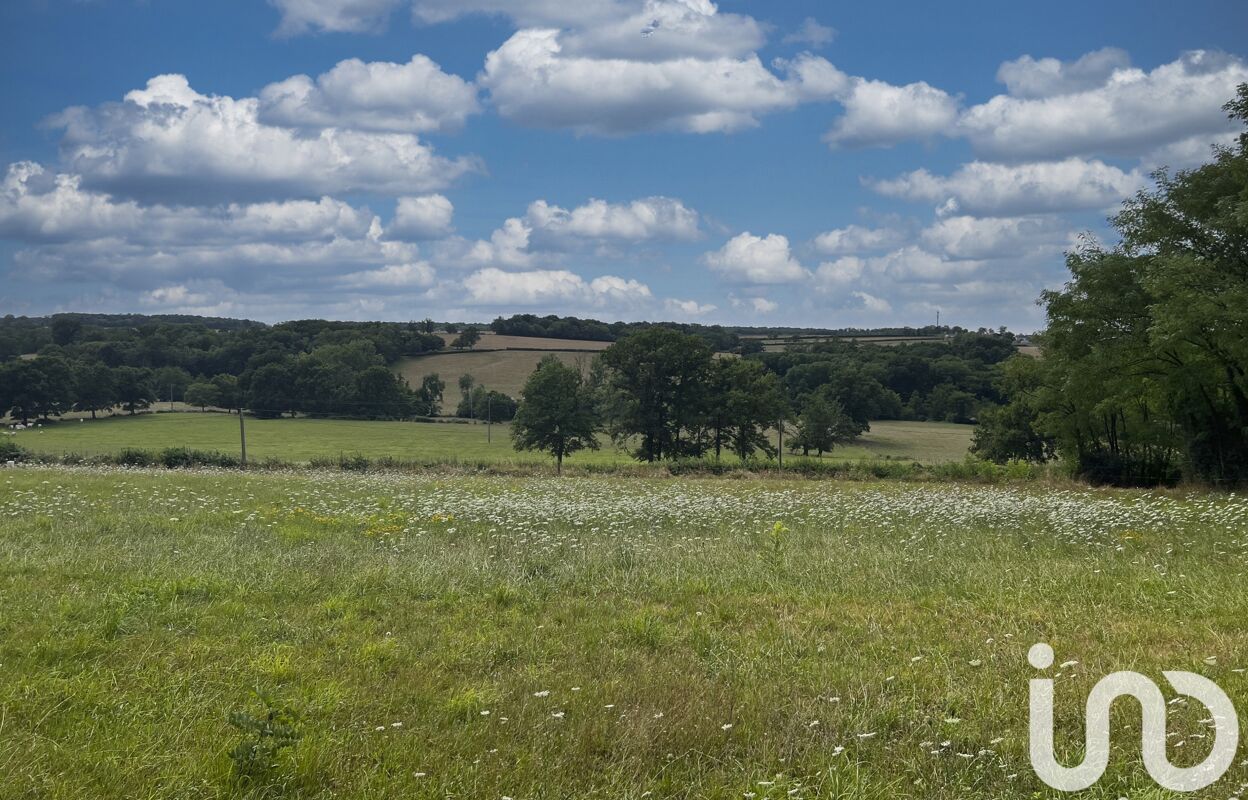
(556, 413)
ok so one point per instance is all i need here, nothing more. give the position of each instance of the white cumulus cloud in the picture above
(997, 237)
(168, 141)
(748, 258)
(1046, 77)
(879, 114)
(644, 219)
(687, 308)
(1129, 112)
(986, 189)
(858, 239)
(532, 81)
(40, 206)
(415, 97)
(416, 274)
(495, 287)
(425, 217)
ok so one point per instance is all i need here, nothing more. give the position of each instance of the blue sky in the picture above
(805, 163)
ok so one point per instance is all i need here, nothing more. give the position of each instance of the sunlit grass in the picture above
(491, 637)
(305, 439)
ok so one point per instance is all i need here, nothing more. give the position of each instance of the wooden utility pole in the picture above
(242, 437)
(780, 449)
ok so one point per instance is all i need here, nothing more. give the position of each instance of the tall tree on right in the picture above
(1146, 352)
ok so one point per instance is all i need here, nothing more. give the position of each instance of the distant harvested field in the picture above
(305, 439)
(503, 370)
(773, 344)
(494, 341)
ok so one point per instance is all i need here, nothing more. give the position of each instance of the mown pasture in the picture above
(304, 439)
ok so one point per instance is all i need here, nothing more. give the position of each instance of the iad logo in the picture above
(1153, 706)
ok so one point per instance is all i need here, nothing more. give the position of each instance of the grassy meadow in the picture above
(301, 440)
(176, 634)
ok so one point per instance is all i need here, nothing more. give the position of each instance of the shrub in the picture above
(354, 463)
(12, 451)
(264, 738)
(133, 457)
(183, 457)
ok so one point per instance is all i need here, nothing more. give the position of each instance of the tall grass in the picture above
(214, 634)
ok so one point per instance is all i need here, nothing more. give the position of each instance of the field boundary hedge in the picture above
(969, 470)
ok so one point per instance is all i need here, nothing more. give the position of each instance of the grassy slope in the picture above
(495, 341)
(877, 652)
(304, 439)
(492, 364)
(503, 370)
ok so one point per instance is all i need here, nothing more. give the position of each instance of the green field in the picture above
(486, 637)
(305, 439)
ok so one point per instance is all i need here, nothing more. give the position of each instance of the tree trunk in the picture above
(93, 413)
(559, 463)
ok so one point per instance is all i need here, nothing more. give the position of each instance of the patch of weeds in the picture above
(646, 630)
(255, 758)
(777, 540)
(504, 596)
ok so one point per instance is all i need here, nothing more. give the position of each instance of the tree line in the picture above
(1144, 378)
(311, 366)
(724, 338)
(345, 369)
(667, 395)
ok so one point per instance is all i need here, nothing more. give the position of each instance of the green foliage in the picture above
(777, 538)
(255, 756)
(744, 401)
(186, 458)
(467, 339)
(134, 388)
(40, 387)
(556, 414)
(656, 389)
(66, 330)
(95, 388)
(1146, 353)
(229, 394)
(203, 394)
(135, 457)
(480, 403)
(824, 424)
(1014, 431)
(429, 395)
(12, 451)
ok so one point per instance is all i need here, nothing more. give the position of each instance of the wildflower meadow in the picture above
(212, 634)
